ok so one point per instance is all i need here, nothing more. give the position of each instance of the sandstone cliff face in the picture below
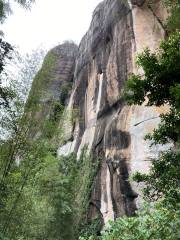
(51, 85)
(113, 132)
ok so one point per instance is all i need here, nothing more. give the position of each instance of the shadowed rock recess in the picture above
(113, 132)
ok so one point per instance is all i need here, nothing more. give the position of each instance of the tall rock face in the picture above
(51, 86)
(113, 132)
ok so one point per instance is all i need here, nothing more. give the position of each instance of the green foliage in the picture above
(5, 7)
(161, 75)
(53, 192)
(41, 196)
(163, 180)
(64, 91)
(160, 85)
(14, 184)
(42, 79)
(43, 111)
(45, 197)
(15, 87)
(173, 21)
(5, 55)
(87, 171)
(70, 194)
(27, 66)
(158, 223)
(57, 182)
(91, 229)
(168, 130)
(50, 199)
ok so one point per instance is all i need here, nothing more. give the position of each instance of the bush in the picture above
(158, 223)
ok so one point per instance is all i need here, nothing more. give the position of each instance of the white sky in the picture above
(49, 23)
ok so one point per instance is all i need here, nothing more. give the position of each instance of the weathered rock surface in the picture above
(112, 131)
(51, 85)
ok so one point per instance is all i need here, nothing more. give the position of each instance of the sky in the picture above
(48, 23)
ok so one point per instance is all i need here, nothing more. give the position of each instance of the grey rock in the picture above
(113, 131)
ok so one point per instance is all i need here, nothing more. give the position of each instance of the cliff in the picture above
(113, 132)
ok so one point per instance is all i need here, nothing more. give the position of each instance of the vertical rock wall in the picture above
(113, 132)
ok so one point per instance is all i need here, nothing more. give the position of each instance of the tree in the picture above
(173, 21)
(5, 7)
(5, 55)
(157, 224)
(7, 94)
(52, 192)
(158, 86)
(23, 70)
(16, 82)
